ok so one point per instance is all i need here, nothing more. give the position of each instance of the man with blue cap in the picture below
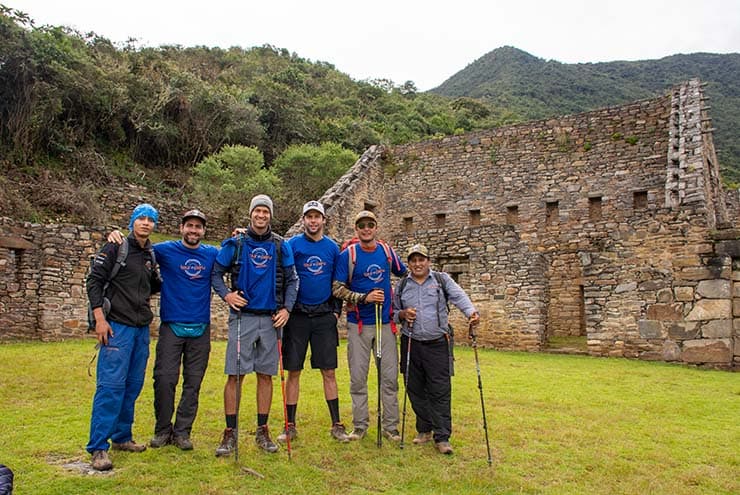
(123, 335)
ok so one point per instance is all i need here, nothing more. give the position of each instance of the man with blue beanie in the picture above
(123, 335)
(264, 287)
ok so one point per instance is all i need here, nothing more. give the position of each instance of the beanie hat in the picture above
(143, 210)
(261, 200)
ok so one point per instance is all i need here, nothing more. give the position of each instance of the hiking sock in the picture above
(333, 409)
(231, 421)
(291, 412)
(262, 419)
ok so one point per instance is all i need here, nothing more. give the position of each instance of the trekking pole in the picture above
(282, 387)
(406, 382)
(378, 356)
(238, 381)
(473, 336)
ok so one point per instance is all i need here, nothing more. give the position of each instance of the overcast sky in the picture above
(422, 41)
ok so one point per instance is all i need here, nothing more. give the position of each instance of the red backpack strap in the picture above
(389, 257)
(351, 262)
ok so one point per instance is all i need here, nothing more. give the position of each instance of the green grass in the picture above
(558, 424)
(567, 341)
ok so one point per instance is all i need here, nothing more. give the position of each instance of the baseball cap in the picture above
(314, 205)
(193, 214)
(366, 214)
(418, 249)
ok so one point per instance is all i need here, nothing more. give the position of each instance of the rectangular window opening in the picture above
(474, 217)
(594, 209)
(408, 224)
(551, 212)
(640, 200)
(439, 220)
(512, 215)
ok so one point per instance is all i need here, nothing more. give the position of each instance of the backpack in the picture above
(351, 247)
(450, 331)
(120, 262)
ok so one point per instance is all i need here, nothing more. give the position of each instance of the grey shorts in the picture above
(258, 345)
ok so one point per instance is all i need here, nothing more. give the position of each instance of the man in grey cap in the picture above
(264, 287)
(420, 303)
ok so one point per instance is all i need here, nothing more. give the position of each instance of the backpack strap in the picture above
(120, 262)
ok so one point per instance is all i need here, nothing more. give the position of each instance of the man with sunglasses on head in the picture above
(362, 277)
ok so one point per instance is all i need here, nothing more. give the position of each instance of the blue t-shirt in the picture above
(257, 274)
(371, 271)
(186, 281)
(314, 262)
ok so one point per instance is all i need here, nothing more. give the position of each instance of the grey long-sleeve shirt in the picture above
(429, 300)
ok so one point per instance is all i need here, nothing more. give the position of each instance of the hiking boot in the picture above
(228, 443)
(182, 442)
(444, 448)
(289, 432)
(129, 446)
(357, 434)
(339, 433)
(392, 435)
(262, 437)
(160, 440)
(101, 461)
(422, 438)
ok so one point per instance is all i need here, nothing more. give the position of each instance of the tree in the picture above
(307, 171)
(224, 182)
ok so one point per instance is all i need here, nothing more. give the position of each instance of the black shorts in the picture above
(320, 331)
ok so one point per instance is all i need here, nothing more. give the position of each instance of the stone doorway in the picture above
(566, 320)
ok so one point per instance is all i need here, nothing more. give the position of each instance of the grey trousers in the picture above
(360, 350)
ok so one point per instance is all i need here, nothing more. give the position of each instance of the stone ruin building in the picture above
(610, 225)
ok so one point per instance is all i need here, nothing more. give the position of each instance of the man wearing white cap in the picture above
(314, 319)
(264, 287)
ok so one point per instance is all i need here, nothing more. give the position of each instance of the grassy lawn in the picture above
(557, 424)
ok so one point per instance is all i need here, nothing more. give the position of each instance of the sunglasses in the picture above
(363, 225)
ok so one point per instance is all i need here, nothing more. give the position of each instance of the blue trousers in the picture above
(120, 378)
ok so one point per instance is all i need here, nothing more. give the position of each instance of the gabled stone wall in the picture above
(600, 224)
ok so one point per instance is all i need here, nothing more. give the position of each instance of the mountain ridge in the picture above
(532, 88)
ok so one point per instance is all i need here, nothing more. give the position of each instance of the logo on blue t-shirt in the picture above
(193, 268)
(260, 257)
(315, 264)
(374, 272)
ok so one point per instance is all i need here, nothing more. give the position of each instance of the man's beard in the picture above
(186, 240)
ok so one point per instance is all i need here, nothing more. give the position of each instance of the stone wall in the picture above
(42, 282)
(611, 225)
(600, 224)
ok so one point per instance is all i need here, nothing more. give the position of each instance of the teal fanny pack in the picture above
(188, 330)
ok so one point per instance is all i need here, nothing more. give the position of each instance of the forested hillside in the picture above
(533, 88)
(78, 112)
